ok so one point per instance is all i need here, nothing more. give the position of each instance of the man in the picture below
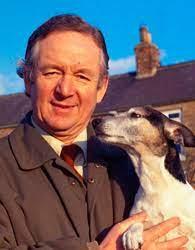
(46, 203)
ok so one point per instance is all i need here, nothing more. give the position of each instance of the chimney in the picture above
(147, 55)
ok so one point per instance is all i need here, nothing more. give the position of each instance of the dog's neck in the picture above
(152, 173)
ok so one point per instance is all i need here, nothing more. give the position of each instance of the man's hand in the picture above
(113, 239)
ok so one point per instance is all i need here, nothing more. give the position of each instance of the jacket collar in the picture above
(32, 151)
(29, 148)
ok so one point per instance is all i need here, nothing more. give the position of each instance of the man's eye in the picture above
(51, 73)
(83, 77)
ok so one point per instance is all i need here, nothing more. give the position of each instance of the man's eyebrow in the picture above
(76, 68)
(84, 70)
(50, 66)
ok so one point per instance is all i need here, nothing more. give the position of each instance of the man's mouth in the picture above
(63, 106)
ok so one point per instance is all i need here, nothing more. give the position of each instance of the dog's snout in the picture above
(96, 122)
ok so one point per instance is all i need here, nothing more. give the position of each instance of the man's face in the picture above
(64, 89)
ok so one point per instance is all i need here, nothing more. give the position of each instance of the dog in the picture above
(150, 139)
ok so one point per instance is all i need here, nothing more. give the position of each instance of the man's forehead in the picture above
(71, 45)
(73, 38)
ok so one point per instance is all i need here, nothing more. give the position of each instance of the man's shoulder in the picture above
(18, 130)
(5, 144)
(24, 145)
(17, 133)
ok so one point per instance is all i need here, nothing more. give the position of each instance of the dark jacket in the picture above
(44, 204)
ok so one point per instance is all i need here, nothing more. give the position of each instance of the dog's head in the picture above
(143, 128)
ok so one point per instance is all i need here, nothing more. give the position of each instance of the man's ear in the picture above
(179, 133)
(27, 75)
(102, 87)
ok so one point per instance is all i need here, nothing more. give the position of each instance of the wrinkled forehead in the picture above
(63, 41)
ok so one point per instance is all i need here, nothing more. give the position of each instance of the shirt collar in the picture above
(57, 145)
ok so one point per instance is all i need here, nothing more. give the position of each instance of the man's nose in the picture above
(65, 86)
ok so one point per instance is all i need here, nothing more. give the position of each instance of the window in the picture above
(176, 115)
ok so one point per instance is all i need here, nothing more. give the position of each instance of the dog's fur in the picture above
(149, 137)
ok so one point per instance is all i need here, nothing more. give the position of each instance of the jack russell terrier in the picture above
(150, 139)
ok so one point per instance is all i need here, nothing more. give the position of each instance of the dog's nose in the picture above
(96, 122)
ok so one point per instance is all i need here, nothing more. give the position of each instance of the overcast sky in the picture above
(170, 22)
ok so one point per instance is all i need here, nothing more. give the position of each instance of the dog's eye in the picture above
(135, 115)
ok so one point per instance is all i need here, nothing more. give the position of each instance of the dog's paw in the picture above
(133, 238)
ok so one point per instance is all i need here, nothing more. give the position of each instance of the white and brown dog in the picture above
(149, 137)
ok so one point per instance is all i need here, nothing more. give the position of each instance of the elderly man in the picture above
(48, 199)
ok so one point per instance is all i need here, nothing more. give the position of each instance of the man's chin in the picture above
(63, 128)
(60, 129)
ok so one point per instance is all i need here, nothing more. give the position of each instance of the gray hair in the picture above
(64, 22)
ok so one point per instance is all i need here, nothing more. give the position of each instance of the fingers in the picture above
(161, 229)
(125, 224)
(113, 238)
(177, 243)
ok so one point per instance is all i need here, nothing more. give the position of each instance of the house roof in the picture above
(13, 108)
(171, 84)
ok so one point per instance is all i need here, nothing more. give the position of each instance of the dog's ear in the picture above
(179, 133)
